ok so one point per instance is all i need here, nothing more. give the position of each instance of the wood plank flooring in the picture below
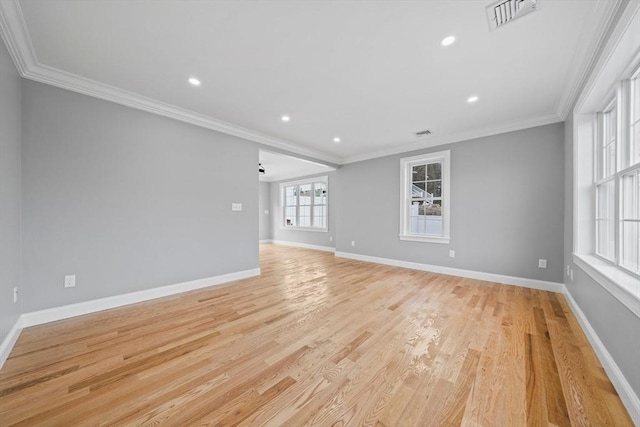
(316, 340)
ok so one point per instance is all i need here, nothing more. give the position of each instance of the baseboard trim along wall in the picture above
(304, 245)
(630, 400)
(10, 341)
(266, 241)
(88, 307)
(479, 275)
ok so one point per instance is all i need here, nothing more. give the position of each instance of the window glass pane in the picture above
(320, 193)
(290, 216)
(418, 190)
(418, 173)
(291, 194)
(630, 195)
(435, 188)
(630, 224)
(320, 216)
(634, 152)
(630, 257)
(305, 194)
(434, 171)
(305, 215)
(606, 238)
(605, 222)
(425, 218)
(609, 143)
(606, 202)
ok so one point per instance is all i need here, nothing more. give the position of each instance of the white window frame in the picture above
(316, 180)
(406, 165)
(621, 282)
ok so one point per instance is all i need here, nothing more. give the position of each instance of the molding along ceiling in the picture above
(370, 73)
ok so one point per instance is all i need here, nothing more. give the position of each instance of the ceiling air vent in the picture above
(503, 12)
(423, 133)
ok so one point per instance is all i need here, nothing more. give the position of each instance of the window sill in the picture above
(317, 230)
(425, 239)
(623, 286)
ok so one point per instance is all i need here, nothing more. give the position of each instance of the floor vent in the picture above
(502, 12)
(423, 133)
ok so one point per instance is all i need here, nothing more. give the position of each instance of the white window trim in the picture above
(405, 195)
(321, 179)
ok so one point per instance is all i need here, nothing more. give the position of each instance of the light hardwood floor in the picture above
(316, 340)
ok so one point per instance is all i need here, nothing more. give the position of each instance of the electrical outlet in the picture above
(353, 243)
(542, 263)
(452, 253)
(70, 281)
(568, 268)
(331, 238)
(15, 295)
(571, 274)
(266, 211)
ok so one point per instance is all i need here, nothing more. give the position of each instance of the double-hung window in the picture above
(617, 178)
(305, 204)
(425, 196)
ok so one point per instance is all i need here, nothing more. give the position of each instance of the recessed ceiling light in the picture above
(194, 82)
(336, 139)
(447, 41)
(472, 99)
(285, 118)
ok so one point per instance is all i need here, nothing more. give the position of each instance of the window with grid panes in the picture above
(617, 183)
(424, 210)
(305, 204)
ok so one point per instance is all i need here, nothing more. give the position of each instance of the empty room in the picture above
(331, 213)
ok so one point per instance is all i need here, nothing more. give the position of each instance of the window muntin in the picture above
(424, 210)
(305, 204)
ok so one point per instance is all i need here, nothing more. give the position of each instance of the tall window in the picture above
(424, 209)
(305, 204)
(617, 183)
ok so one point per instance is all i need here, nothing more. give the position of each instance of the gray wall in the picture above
(264, 204)
(128, 200)
(316, 238)
(616, 325)
(506, 206)
(10, 197)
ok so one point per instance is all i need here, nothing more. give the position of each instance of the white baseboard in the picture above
(87, 307)
(479, 275)
(72, 310)
(10, 341)
(266, 241)
(304, 245)
(627, 395)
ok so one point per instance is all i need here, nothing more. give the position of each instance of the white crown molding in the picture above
(16, 35)
(13, 30)
(600, 65)
(434, 141)
(479, 275)
(630, 400)
(584, 62)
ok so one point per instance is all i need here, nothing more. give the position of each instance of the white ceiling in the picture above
(370, 72)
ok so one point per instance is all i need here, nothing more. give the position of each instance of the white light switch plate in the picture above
(236, 207)
(70, 281)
